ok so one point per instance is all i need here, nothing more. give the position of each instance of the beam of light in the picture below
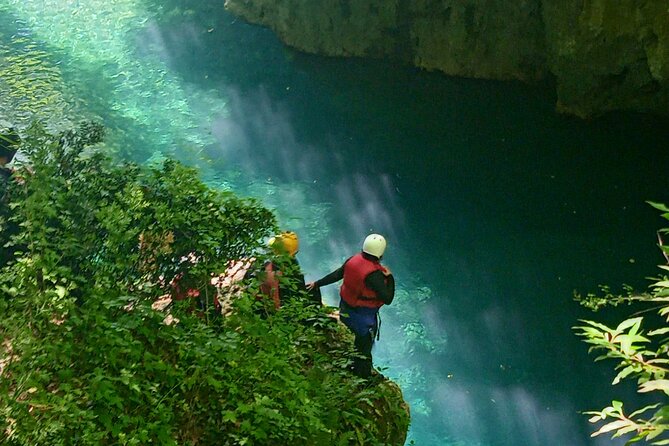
(371, 204)
(510, 416)
(460, 393)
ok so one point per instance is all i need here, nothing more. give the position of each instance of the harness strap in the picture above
(367, 298)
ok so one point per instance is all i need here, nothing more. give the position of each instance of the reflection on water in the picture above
(141, 101)
(495, 208)
(29, 80)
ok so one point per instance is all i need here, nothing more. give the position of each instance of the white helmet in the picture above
(374, 245)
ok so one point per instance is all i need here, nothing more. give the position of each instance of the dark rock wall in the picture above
(478, 38)
(603, 54)
(609, 54)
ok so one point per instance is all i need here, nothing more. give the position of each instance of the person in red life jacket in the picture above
(367, 285)
(280, 277)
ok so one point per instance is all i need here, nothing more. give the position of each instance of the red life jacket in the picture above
(354, 291)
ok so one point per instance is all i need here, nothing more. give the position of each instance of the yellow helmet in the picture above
(285, 242)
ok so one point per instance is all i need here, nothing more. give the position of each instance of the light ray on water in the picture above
(149, 105)
(31, 84)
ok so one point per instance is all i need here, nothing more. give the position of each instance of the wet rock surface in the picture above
(603, 55)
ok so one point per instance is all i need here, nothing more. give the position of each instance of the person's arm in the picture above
(383, 284)
(334, 276)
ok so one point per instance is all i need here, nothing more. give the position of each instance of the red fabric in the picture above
(270, 286)
(353, 290)
(179, 293)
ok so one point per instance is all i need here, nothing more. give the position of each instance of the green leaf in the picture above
(598, 325)
(614, 425)
(659, 384)
(230, 416)
(625, 430)
(634, 323)
(596, 418)
(657, 431)
(624, 373)
(658, 206)
(61, 291)
(643, 409)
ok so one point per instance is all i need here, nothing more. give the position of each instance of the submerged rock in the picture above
(603, 55)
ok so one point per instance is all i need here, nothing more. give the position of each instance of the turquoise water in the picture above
(495, 208)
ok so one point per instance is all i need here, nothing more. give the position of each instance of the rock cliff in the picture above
(603, 55)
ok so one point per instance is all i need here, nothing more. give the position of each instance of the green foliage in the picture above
(606, 297)
(86, 360)
(641, 354)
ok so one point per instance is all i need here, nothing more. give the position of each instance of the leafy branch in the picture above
(642, 356)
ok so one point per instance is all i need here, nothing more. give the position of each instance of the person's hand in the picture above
(386, 271)
(311, 286)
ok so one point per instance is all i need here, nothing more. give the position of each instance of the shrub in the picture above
(85, 360)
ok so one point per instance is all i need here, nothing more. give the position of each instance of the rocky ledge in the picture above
(603, 55)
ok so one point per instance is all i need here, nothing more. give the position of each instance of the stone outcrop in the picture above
(609, 54)
(603, 55)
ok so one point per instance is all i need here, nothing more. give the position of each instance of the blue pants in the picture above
(363, 323)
